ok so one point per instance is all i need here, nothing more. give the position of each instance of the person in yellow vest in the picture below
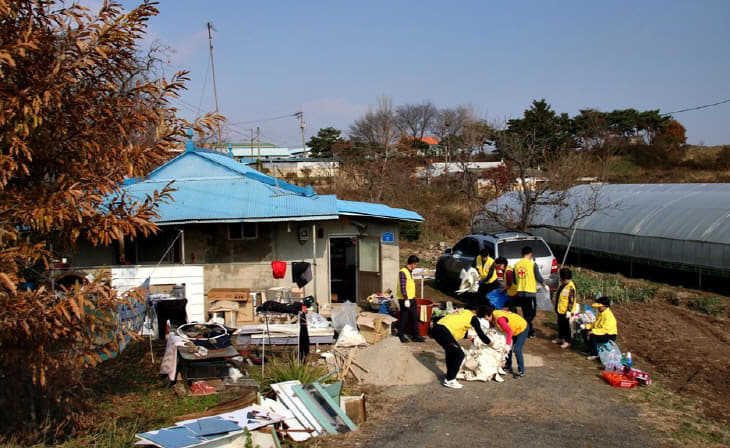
(448, 331)
(406, 294)
(566, 305)
(603, 329)
(514, 327)
(508, 284)
(527, 276)
(486, 267)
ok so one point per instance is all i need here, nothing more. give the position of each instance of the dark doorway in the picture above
(343, 268)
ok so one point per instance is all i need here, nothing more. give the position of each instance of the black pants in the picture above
(454, 353)
(408, 316)
(594, 339)
(528, 304)
(564, 329)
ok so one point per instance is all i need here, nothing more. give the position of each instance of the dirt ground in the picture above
(690, 350)
(562, 401)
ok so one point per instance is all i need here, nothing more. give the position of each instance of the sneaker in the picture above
(531, 336)
(498, 379)
(417, 339)
(557, 341)
(519, 374)
(403, 339)
(591, 358)
(508, 369)
(452, 384)
(565, 345)
(500, 371)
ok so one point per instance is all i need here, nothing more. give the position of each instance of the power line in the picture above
(704, 106)
(261, 120)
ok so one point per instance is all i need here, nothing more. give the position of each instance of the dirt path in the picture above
(562, 401)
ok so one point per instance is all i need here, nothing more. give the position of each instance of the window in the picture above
(242, 231)
(369, 255)
(513, 249)
(468, 247)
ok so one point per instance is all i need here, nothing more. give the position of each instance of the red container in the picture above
(423, 327)
(618, 379)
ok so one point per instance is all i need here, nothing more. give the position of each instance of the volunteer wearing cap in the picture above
(602, 330)
(407, 301)
(450, 329)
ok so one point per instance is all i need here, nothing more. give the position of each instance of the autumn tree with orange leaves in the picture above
(80, 110)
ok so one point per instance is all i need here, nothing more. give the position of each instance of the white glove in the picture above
(568, 315)
(582, 326)
(407, 303)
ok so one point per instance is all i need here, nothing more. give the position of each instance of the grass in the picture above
(679, 418)
(287, 368)
(591, 283)
(714, 306)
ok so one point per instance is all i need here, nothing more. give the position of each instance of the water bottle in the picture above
(629, 361)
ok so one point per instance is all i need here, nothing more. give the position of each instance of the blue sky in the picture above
(335, 58)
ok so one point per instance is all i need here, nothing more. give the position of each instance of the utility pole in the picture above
(302, 125)
(252, 143)
(212, 66)
(258, 140)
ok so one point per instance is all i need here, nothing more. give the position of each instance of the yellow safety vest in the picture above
(516, 322)
(564, 298)
(605, 323)
(410, 285)
(457, 323)
(512, 289)
(483, 267)
(525, 276)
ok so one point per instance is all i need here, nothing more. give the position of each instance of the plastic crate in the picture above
(618, 379)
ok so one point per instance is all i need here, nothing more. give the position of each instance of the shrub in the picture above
(411, 231)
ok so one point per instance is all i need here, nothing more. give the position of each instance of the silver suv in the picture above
(504, 244)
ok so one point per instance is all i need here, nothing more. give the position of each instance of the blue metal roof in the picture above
(213, 187)
(352, 208)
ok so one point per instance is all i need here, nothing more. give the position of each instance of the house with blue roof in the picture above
(229, 222)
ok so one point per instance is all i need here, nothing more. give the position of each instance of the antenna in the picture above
(212, 66)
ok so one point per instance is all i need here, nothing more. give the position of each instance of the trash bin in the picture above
(424, 309)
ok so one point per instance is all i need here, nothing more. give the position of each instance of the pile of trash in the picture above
(299, 412)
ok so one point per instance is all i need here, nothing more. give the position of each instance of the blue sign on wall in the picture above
(388, 237)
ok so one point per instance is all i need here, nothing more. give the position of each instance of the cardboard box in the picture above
(235, 294)
(375, 327)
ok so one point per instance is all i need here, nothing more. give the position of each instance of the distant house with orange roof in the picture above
(433, 148)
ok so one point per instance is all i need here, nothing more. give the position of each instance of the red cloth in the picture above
(279, 268)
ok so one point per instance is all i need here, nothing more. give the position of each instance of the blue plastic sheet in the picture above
(498, 299)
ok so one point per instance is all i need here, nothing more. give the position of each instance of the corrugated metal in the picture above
(676, 223)
(379, 210)
(233, 199)
(212, 187)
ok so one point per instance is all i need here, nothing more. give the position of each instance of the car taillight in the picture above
(554, 267)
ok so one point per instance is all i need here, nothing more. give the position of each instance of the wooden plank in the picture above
(295, 430)
(285, 394)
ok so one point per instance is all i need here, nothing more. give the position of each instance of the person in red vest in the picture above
(406, 294)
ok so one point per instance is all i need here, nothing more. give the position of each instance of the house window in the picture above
(242, 231)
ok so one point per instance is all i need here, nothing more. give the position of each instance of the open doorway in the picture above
(343, 268)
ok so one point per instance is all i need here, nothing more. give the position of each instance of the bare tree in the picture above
(414, 120)
(542, 188)
(375, 136)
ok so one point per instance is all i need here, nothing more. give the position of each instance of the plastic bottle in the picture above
(629, 361)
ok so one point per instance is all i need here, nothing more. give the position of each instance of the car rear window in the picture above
(513, 249)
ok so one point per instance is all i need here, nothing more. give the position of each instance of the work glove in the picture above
(582, 326)
(407, 303)
(568, 315)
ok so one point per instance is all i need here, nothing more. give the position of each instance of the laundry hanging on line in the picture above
(301, 273)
